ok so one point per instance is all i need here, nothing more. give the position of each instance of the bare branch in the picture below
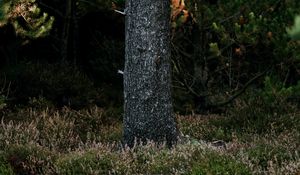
(241, 91)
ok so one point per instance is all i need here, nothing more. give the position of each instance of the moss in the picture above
(214, 163)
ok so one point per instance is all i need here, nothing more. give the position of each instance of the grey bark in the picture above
(147, 75)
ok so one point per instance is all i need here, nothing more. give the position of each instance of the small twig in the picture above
(122, 13)
(8, 89)
(233, 97)
(120, 72)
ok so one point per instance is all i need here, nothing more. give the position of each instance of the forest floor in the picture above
(46, 141)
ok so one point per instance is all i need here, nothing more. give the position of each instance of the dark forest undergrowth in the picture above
(247, 139)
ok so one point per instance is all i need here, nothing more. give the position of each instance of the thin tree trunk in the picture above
(147, 75)
(66, 31)
(75, 33)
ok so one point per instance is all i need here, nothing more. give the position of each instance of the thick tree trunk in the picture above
(147, 75)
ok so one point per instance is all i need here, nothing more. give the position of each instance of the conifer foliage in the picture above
(294, 32)
(26, 17)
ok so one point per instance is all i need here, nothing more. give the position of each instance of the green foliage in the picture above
(4, 7)
(274, 92)
(5, 168)
(26, 17)
(229, 44)
(294, 32)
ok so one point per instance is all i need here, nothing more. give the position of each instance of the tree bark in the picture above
(66, 31)
(148, 107)
(70, 33)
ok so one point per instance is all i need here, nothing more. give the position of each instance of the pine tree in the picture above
(26, 17)
(147, 74)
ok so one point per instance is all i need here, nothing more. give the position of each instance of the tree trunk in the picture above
(66, 30)
(70, 33)
(147, 75)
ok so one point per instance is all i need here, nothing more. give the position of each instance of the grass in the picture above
(66, 141)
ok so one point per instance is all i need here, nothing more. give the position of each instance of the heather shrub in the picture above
(95, 123)
(89, 162)
(50, 130)
(201, 127)
(219, 164)
(29, 159)
(5, 168)
(59, 130)
(51, 142)
(183, 159)
(251, 116)
(263, 154)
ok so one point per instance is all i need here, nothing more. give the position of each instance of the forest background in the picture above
(233, 63)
